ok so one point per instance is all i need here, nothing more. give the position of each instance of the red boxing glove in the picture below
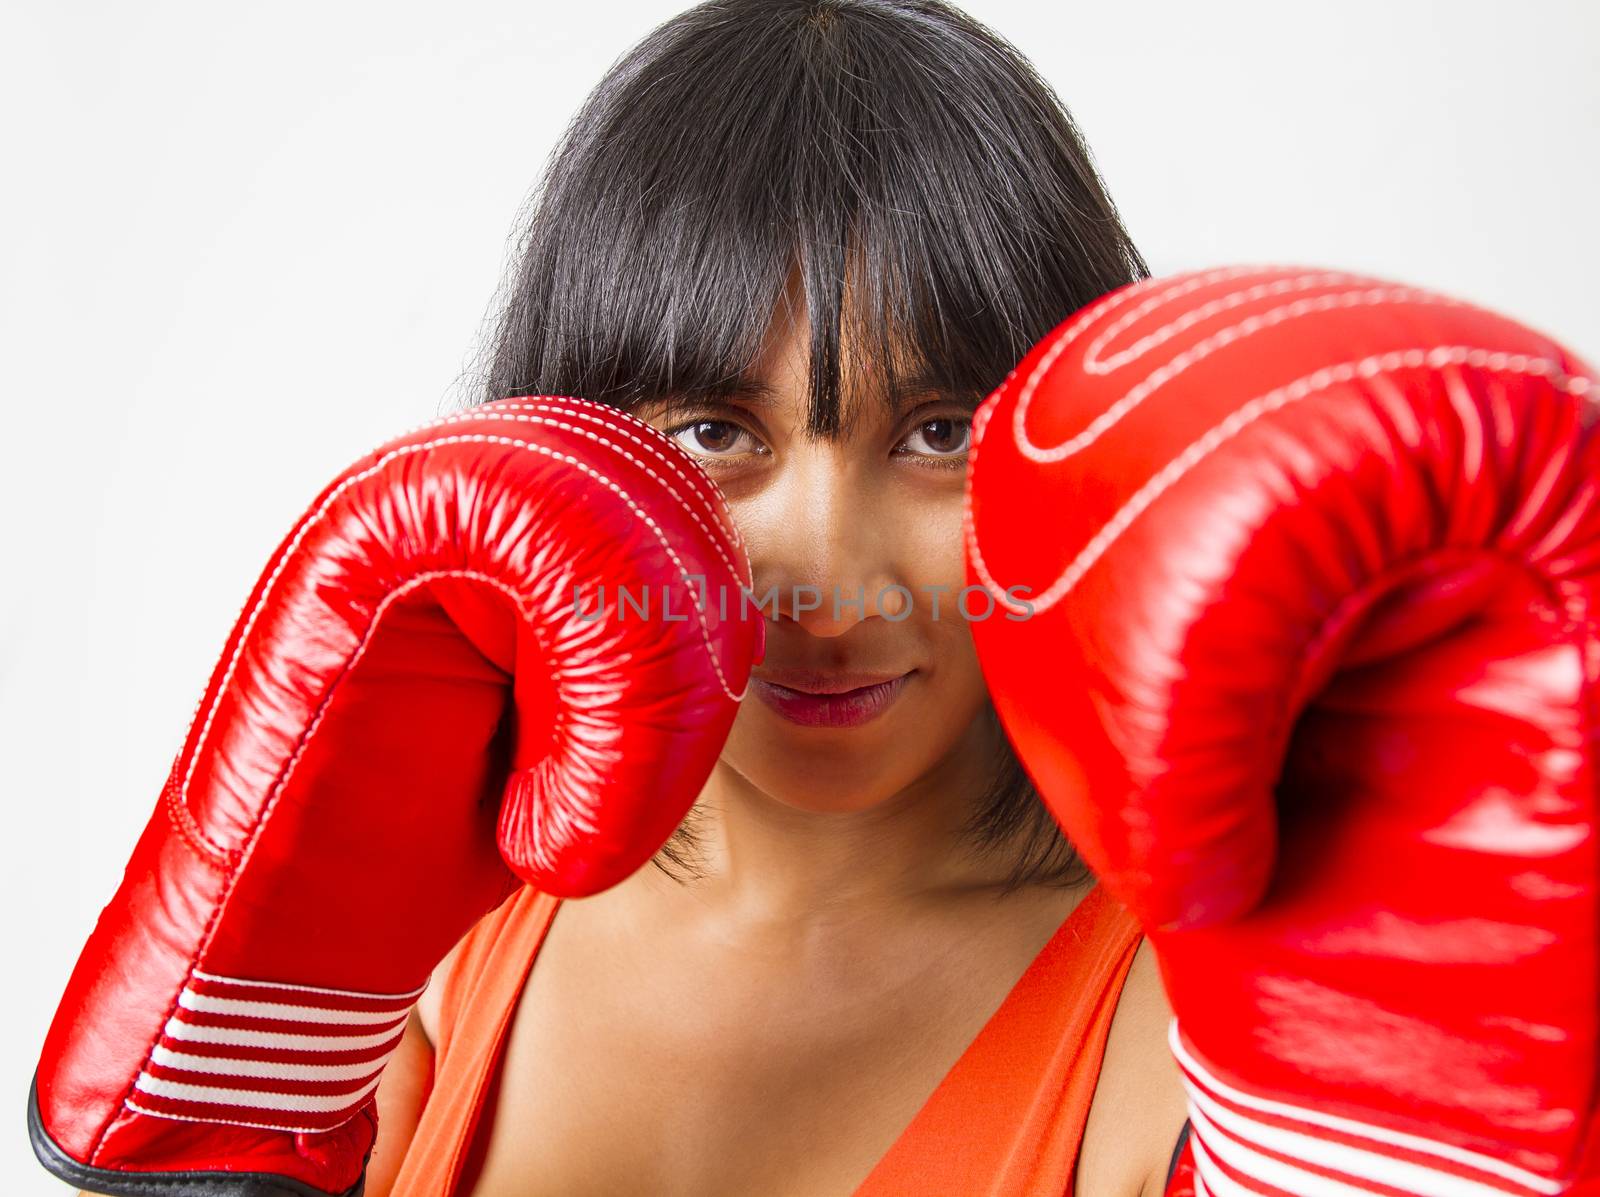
(431, 696)
(1310, 677)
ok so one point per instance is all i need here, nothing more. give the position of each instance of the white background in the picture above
(244, 243)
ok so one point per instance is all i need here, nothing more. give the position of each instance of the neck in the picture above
(764, 860)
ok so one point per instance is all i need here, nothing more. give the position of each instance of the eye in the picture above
(713, 438)
(944, 437)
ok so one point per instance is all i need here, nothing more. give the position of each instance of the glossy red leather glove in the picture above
(409, 720)
(1311, 680)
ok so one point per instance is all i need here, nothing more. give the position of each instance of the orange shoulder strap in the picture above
(486, 979)
(1008, 1118)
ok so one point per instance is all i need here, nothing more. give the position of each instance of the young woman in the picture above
(806, 238)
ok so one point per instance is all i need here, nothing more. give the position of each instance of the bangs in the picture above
(903, 170)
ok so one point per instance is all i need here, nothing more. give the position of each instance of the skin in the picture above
(773, 1025)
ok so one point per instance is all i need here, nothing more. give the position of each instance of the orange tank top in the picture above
(1006, 1121)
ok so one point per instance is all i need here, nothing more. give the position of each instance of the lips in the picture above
(820, 699)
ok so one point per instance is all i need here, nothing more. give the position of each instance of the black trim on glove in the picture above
(162, 1184)
(1183, 1137)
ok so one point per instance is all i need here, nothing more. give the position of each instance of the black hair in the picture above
(929, 187)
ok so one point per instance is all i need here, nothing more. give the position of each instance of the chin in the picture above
(833, 770)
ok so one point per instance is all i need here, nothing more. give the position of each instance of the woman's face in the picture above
(870, 683)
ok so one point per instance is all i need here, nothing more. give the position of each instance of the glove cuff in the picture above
(120, 1183)
(1237, 1135)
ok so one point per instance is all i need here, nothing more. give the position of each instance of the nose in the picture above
(821, 553)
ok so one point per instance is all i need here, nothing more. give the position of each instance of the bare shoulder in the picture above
(1139, 1104)
(428, 1004)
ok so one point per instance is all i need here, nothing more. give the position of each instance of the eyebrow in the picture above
(749, 390)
